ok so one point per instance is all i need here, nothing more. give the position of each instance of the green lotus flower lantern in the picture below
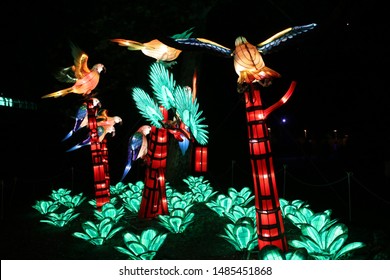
(118, 188)
(143, 246)
(242, 235)
(238, 212)
(274, 253)
(109, 211)
(201, 188)
(97, 234)
(72, 201)
(132, 196)
(46, 206)
(57, 194)
(325, 241)
(60, 219)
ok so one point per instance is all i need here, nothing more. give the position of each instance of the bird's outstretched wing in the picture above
(202, 44)
(268, 45)
(80, 60)
(156, 48)
(137, 147)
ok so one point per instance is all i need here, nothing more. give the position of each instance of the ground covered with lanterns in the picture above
(197, 232)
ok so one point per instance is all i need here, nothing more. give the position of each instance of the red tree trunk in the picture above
(270, 226)
(99, 160)
(154, 200)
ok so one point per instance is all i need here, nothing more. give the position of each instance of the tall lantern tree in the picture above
(173, 109)
(84, 80)
(253, 73)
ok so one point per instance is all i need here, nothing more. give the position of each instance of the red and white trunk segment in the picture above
(270, 226)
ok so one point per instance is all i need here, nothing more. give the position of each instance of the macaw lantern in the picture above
(201, 159)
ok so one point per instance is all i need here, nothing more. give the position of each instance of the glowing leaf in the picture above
(147, 107)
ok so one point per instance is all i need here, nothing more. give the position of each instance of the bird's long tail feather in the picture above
(59, 93)
(126, 171)
(68, 135)
(130, 44)
(75, 147)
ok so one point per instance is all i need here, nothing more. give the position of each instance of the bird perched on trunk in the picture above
(84, 79)
(155, 48)
(101, 131)
(137, 148)
(81, 119)
(102, 119)
(248, 61)
(105, 125)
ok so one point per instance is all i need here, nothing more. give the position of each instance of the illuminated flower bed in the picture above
(116, 227)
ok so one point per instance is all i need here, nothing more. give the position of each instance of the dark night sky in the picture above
(338, 67)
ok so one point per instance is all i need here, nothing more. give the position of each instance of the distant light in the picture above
(15, 103)
(284, 120)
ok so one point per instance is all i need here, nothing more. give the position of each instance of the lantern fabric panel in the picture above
(201, 157)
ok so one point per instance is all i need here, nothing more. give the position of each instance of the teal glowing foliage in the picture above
(97, 234)
(222, 204)
(186, 198)
(113, 201)
(44, 207)
(57, 194)
(60, 219)
(179, 217)
(200, 188)
(177, 220)
(132, 197)
(242, 197)
(168, 189)
(137, 187)
(144, 246)
(303, 215)
(118, 188)
(147, 107)
(163, 85)
(185, 35)
(170, 96)
(242, 234)
(188, 111)
(325, 243)
(274, 253)
(108, 210)
(71, 201)
(238, 212)
(297, 211)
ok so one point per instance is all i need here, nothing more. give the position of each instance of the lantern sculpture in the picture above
(186, 122)
(85, 80)
(99, 160)
(200, 163)
(252, 72)
(154, 200)
(270, 227)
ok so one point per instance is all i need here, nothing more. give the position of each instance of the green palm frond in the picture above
(185, 35)
(187, 110)
(163, 85)
(147, 107)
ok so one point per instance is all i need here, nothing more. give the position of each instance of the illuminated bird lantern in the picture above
(99, 125)
(173, 110)
(252, 72)
(155, 48)
(85, 80)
